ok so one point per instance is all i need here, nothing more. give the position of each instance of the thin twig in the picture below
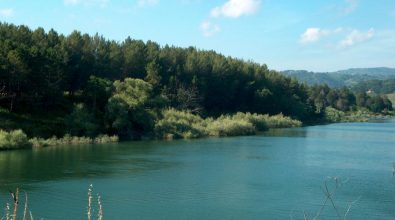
(25, 210)
(349, 207)
(330, 198)
(89, 201)
(305, 215)
(100, 217)
(15, 203)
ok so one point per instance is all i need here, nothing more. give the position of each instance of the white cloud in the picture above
(6, 12)
(209, 29)
(312, 35)
(356, 37)
(236, 8)
(142, 3)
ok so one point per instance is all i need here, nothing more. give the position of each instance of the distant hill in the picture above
(349, 77)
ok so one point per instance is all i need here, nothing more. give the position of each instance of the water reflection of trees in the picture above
(28, 166)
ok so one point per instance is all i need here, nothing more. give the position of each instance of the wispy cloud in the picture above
(209, 29)
(312, 35)
(356, 37)
(101, 3)
(71, 2)
(236, 8)
(344, 37)
(6, 12)
(143, 3)
(351, 5)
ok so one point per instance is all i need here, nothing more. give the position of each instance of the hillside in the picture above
(338, 79)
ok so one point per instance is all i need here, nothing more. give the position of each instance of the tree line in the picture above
(100, 85)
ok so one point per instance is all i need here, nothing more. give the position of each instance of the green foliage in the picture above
(97, 93)
(13, 140)
(56, 73)
(179, 124)
(81, 122)
(128, 107)
(264, 122)
(229, 126)
(72, 140)
(333, 115)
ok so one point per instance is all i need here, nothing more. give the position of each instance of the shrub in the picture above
(103, 139)
(179, 124)
(183, 124)
(228, 126)
(281, 121)
(13, 140)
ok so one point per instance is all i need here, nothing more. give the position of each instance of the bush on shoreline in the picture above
(13, 140)
(72, 140)
(183, 124)
(360, 115)
(17, 139)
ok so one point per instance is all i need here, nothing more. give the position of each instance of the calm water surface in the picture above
(271, 176)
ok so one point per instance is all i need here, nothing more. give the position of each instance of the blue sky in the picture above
(315, 35)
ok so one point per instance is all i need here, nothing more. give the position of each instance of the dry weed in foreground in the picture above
(90, 210)
(15, 201)
(329, 195)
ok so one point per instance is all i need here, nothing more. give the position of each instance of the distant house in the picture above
(370, 91)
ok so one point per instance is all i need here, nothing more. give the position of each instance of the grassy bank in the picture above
(17, 139)
(173, 124)
(183, 124)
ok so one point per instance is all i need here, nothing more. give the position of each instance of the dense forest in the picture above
(377, 86)
(86, 85)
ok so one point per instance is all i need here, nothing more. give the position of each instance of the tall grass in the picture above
(184, 124)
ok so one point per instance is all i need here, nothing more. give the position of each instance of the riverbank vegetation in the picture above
(83, 86)
(183, 124)
(17, 139)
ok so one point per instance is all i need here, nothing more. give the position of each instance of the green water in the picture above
(270, 176)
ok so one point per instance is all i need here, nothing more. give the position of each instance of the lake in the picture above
(275, 175)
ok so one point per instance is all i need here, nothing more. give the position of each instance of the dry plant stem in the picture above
(100, 207)
(31, 215)
(25, 210)
(15, 203)
(89, 201)
(329, 195)
(7, 212)
(349, 207)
